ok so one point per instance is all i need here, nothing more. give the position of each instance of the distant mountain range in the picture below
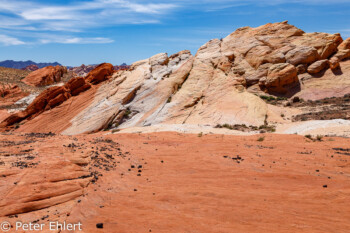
(23, 64)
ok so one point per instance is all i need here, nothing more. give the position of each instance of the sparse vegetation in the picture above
(318, 137)
(127, 113)
(260, 139)
(200, 134)
(245, 128)
(272, 99)
(268, 128)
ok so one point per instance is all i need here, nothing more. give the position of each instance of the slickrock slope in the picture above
(54, 96)
(223, 84)
(170, 182)
(45, 76)
(9, 95)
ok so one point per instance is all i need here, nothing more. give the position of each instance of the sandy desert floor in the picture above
(172, 182)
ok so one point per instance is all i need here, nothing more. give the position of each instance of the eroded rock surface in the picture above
(54, 96)
(171, 182)
(45, 76)
(220, 84)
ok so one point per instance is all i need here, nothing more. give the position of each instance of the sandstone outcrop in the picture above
(31, 68)
(318, 66)
(9, 94)
(56, 95)
(279, 76)
(82, 71)
(100, 73)
(220, 85)
(9, 89)
(302, 55)
(333, 63)
(45, 76)
(342, 54)
(344, 45)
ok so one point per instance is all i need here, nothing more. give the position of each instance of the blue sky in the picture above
(74, 32)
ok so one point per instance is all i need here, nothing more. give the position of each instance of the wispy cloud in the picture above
(76, 17)
(77, 40)
(70, 20)
(7, 40)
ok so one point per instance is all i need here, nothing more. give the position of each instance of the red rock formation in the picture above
(55, 96)
(31, 68)
(45, 76)
(220, 85)
(83, 70)
(10, 93)
(100, 73)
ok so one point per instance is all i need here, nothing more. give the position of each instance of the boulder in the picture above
(82, 88)
(325, 44)
(45, 76)
(75, 83)
(279, 76)
(260, 73)
(258, 55)
(100, 73)
(344, 45)
(333, 63)
(302, 68)
(302, 55)
(159, 59)
(57, 100)
(318, 66)
(331, 46)
(342, 54)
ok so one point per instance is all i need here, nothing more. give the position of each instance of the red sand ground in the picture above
(187, 183)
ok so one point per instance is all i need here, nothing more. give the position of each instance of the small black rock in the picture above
(99, 225)
(325, 186)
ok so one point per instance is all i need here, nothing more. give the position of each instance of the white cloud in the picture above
(76, 17)
(77, 40)
(68, 20)
(8, 40)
